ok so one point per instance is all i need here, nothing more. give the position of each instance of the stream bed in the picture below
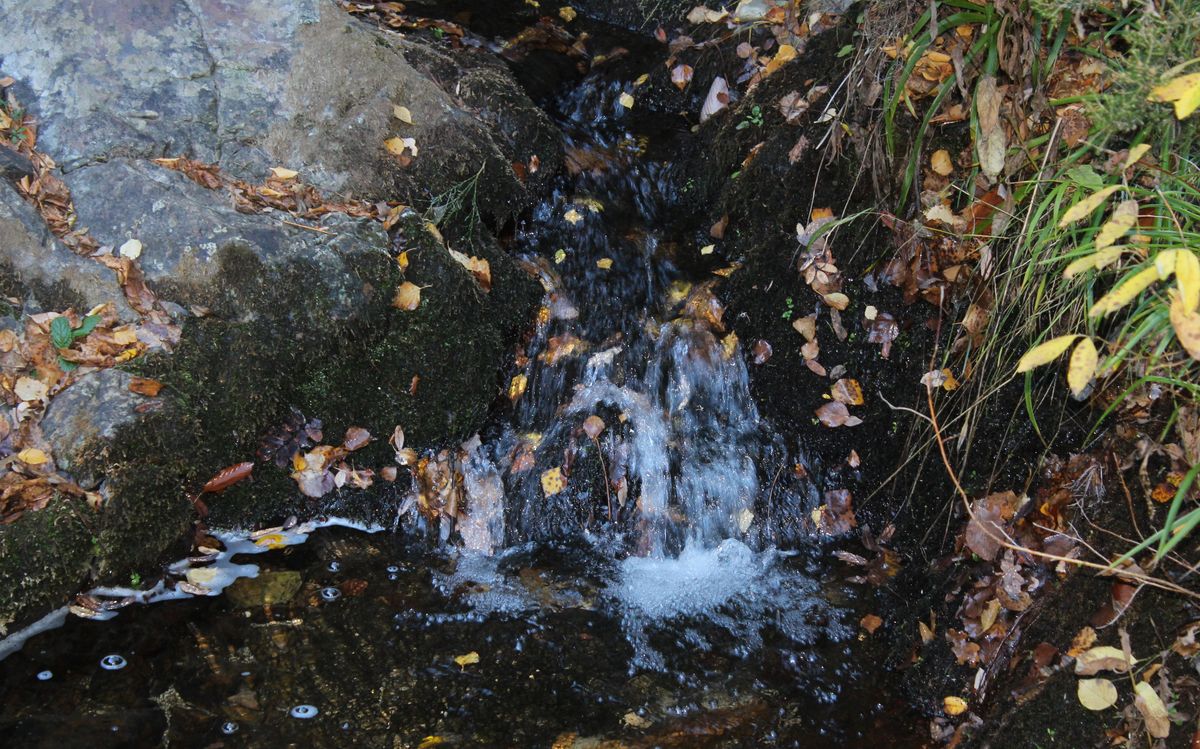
(631, 567)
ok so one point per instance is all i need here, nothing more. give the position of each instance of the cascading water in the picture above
(633, 429)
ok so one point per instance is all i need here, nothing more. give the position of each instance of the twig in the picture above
(317, 229)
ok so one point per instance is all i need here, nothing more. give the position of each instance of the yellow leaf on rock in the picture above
(1122, 220)
(1083, 366)
(131, 249)
(1097, 694)
(478, 267)
(283, 173)
(402, 114)
(32, 456)
(1183, 92)
(397, 146)
(466, 660)
(954, 705)
(1044, 353)
(552, 481)
(1126, 292)
(1084, 208)
(408, 296)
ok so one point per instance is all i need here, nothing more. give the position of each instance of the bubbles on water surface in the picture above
(229, 728)
(45, 675)
(113, 662)
(334, 566)
(330, 594)
(304, 712)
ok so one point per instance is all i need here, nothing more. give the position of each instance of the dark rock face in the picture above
(298, 317)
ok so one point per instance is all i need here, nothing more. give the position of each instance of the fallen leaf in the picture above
(1150, 705)
(227, 477)
(681, 76)
(761, 350)
(1187, 278)
(408, 296)
(32, 456)
(573, 216)
(992, 144)
(552, 481)
(1135, 155)
(1097, 694)
(837, 300)
(806, 326)
(604, 263)
(1095, 261)
(1102, 658)
(356, 438)
(1084, 208)
(593, 426)
(870, 622)
(397, 146)
(132, 249)
(29, 389)
(701, 14)
(1046, 352)
(954, 706)
(478, 267)
(940, 162)
(145, 386)
(567, 13)
(466, 660)
(626, 100)
(717, 99)
(1187, 327)
(283, 173)
(633, 720)
(847, 391)
(1082, 367)
(707, 249)
(1183, 91)
(836, 414)
(516, 387)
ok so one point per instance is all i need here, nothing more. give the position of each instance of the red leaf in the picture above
(227, 477)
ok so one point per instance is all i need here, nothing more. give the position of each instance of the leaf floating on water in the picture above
(552, 481)
(836, 414)
(761, 351)
(1097, 694)
(681, 76)
(567, 13)
(227, 477)
(1150, 705)
(573, 216)
(516, 387)
(604, 263)
(356, 437)
(593, 426)
(626, 100)
(466, 660)
(633, 720)
(271, 541)
(408, 296)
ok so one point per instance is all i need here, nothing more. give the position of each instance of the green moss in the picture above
(43, 558)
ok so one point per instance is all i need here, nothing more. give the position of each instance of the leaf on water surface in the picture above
(604, 263)
(836, 414)
(567, 13)
(516, 387)
(227, 477)
(1082, 367)
(552, 481)
(593, 426)
(1046, 352)
(870, 622)
(761, 351)
(573, 217)
(408, 296)
(356, 438)
(467, 659)
(1150, 705)
(1102, 658)
(626, 100)
(633, 720)
(954, 705)
(1097, 694)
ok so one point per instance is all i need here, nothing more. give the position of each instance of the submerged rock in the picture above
(285, 316)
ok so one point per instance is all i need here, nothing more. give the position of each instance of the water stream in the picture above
(626, 567)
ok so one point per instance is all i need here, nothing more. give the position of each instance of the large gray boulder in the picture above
(287, 317)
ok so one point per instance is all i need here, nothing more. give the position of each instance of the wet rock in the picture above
(91, 410)
(291, 317)
(276, 586)
(44, 273)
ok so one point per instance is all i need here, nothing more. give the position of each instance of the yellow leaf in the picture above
(707, 249)
(402, 114)
(1084, 208)
(1082, 368)
(283, 173)
(1135, 155)
(271, 541)
(402, 260)
(573, 216)
(567, 13)
(604, 263)
(1126, 292)
(430, 741)
(1044, 353)
(408, 296)
(32, 456)
(1183, 91)
(552, 481)
(940, 161)
(1122, 220)
(466, 660)
(1187, 327)
(478, 267)
(626, 100)
(785, 54)
(397, 146)
(729, 345)
(837, 300)
(641, 79)
(1097, 694)
(1147, 701)
(202, 575)
(29, 389)
(516, 388)
(1102, 658)
(954, 705)
(1187, 277)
